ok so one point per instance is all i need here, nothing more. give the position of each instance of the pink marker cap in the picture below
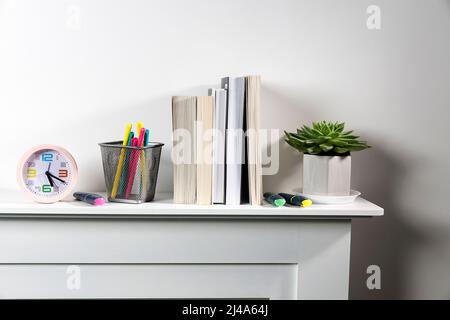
(99, 202)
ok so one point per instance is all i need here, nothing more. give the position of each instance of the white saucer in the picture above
(320, 199)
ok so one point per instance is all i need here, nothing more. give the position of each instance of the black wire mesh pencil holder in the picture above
(130, 173)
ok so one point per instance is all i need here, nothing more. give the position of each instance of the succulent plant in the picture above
(325, 138)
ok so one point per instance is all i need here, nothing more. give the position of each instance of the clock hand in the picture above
(50, 180)
(47, 173)
(56, 178)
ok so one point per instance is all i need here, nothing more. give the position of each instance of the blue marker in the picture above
(296, 200)
(146, 137)
(274, 199)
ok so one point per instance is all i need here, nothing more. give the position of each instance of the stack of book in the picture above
(216, 148)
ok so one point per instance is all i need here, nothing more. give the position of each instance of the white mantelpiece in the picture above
(164, 250)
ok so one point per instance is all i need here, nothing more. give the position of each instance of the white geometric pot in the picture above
(326, 175)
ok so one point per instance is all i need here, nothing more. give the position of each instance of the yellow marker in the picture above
(120, 164)
(139, 125)
(296, 200)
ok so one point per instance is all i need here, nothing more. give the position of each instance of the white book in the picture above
(235, 144)
(220, 120)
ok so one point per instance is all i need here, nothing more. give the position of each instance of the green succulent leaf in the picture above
(350, 137)
(326, 147)
(341, 150)
(313, 150)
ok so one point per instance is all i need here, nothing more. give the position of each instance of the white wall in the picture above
(77, 84)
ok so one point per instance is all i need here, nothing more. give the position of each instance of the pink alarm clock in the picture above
(47, 173)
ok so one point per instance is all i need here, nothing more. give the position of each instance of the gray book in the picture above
(219, 145)
(235, 144)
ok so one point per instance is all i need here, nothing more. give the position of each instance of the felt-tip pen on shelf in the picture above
(91, 198)
(274, 199)
(296, 200)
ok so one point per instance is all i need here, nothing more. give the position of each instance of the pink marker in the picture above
(91, 198)
(129, 185)
(134, 161)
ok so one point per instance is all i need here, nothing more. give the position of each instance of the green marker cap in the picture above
(279, 202)
(274, 199)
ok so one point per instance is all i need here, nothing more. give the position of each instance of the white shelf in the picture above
(13, 204)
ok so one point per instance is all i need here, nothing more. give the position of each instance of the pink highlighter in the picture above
(91, 198)
(137, 142)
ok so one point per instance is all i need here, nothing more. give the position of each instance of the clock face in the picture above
(47, 174)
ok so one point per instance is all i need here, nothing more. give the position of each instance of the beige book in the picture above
(254, 162)
(205, 107)
(184, 115)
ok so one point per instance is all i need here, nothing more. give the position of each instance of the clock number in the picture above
(47, 157)
(47, 188)
(31, 173)
(63, 173)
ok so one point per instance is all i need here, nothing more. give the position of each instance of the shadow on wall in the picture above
(384, 241)
(289, 175)
(278, 111)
